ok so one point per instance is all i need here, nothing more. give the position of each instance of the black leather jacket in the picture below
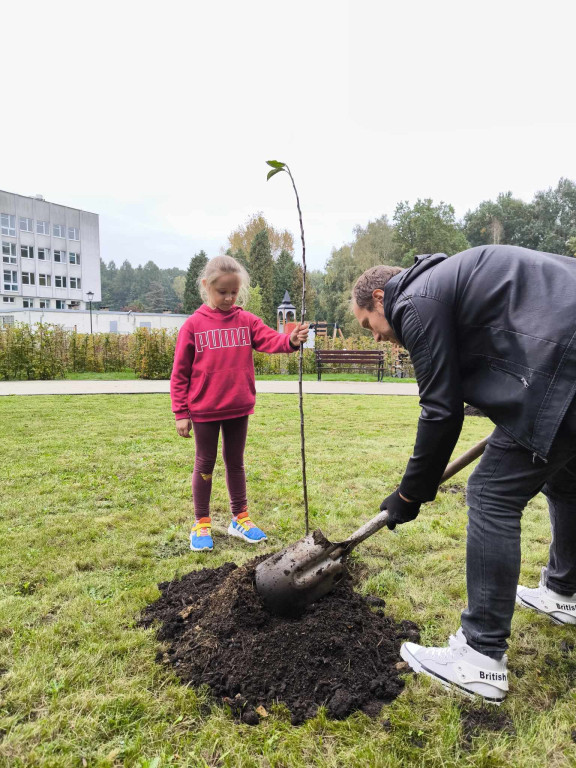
(495, 327)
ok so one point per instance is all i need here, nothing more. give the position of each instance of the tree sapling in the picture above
(278, 167)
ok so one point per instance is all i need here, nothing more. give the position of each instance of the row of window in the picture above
(8, 227)
(29, 278)
(27, 252)
(42, 303)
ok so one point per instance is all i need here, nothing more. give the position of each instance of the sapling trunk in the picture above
(277, 167)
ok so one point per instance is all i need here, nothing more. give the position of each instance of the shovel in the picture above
(305, 571)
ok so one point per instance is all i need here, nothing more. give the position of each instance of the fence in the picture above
(50, 352)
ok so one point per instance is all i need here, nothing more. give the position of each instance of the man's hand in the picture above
(400, 510)
(299, 334)
(183, 427)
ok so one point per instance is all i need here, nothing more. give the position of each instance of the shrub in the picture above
(153, 352)
(46, 351)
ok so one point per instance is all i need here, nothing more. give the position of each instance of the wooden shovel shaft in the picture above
(378, 522)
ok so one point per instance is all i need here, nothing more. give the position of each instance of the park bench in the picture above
(350, 360)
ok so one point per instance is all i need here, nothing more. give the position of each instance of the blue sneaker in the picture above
(201, 536)
(244, 528)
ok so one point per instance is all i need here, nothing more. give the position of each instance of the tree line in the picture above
(547, 223)
(143, 288)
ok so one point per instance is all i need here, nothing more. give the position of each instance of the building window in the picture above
(73, 233)
(7, 321)
(44, 254)
(45, 280)
(42, 227)
(28, 278)
(74, 282)
(60, 281)
(60, 256)
(26, 225)
(58, 230)
(9, 253)
(44, 303)
(8, 299)
(113, 326)
(28, 303)
(8, 224)
(10, 280)
(60, 304)
(74, 258)
(27, 251)
(146, 325)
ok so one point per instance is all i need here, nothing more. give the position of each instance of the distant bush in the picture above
(44, 351)
(152, 352)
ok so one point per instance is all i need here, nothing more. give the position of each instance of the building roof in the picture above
(11, 310)
(287, 303)
(43, 200)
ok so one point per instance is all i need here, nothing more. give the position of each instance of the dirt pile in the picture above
(470, 410)
(342, 653)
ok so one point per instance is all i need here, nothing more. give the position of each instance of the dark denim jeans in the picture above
(504, 481)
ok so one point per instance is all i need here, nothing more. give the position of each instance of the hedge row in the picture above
(49, 352)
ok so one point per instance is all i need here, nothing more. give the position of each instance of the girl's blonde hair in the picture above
(224, 265)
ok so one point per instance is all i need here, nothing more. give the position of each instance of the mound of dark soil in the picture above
(469, 410)
(477, 721)
(343, 652)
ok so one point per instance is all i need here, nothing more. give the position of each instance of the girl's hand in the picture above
(299, 334)
(183, 427)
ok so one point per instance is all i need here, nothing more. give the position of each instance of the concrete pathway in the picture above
(143, 387)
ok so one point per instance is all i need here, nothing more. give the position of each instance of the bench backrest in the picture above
(349, 355)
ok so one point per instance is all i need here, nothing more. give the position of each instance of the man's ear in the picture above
(378, 295)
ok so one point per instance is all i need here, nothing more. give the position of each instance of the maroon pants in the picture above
(233, 442)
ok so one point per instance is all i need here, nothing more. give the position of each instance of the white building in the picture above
(50, 254)
(84, 321)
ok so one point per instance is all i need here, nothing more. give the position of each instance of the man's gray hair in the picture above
(369, 281)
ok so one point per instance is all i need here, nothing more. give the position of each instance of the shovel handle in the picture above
(378, 522)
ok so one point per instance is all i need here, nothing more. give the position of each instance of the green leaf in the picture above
(272, 172)
(275, 164)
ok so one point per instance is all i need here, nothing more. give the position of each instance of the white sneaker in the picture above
(460, 667)
(559, 608)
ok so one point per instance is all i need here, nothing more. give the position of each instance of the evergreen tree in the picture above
(262, 274)
(124, 291)
(108, 275)
(192, 299)
(155, 298)
(240, 256)
(285, 278)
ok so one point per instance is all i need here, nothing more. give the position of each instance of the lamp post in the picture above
(90, 295)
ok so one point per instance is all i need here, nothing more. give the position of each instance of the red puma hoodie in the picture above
(213, 373)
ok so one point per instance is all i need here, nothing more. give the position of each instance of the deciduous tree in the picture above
(241, 239)
(505, 221)
(427, 228)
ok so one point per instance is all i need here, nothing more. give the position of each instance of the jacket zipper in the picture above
(514, 375)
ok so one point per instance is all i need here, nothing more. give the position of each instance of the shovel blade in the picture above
(290, 580)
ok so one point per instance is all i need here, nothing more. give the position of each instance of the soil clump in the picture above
(476, 721)
(343, 652)
(470, 410)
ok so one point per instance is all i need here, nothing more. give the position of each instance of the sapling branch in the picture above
(278, 167)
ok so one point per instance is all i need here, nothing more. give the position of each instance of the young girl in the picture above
(212, 388)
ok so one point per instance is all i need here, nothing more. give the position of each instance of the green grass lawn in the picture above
(126, 374)
(94, 512)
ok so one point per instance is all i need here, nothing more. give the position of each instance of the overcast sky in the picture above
(160, 116)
